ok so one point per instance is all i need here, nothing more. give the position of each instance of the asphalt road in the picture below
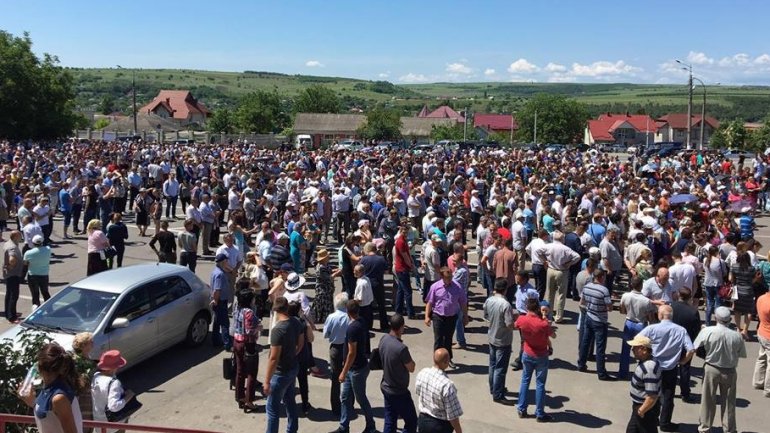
(183, 387)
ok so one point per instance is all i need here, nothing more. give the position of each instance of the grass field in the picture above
(218, 89)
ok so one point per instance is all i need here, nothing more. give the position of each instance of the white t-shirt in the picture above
(363, 291)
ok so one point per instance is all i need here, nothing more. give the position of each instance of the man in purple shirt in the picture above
(446, 303)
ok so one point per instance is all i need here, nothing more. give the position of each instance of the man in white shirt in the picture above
(171, 194)
(681, 274)
(538, 266)
(519, 233)
(559, 258)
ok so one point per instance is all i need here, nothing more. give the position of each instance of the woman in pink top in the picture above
(97, 242)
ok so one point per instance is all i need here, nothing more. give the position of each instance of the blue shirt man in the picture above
(220, 295)
(747, 224)
(524, 291)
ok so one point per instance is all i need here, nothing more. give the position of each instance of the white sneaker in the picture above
(34, 307)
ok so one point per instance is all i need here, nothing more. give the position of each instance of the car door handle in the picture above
(150, 319)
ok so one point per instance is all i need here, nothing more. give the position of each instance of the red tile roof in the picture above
(444, 112)
(679, 120)
(494, 122)
(602, 128)
(180, 103)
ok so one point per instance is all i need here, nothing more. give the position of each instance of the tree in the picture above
(559, 120)
(221, 120)
(455, 132)
(36, 95)
(317, 99)
(14, 364)
(107, 104)
(760, 139)
(735, 135)
(381, 124)
(101, 123)
(261, 112)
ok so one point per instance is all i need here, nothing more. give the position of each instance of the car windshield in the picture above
(72, 310)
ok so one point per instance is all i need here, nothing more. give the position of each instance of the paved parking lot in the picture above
(183, 387)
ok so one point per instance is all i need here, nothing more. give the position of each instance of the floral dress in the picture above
(323, 304)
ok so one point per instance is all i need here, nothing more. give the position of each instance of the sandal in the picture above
(249, 407)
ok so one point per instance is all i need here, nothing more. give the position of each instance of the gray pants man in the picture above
(722, 380)
(205, 237)
(762, 366)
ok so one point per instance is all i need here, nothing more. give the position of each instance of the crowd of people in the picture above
(668, 234)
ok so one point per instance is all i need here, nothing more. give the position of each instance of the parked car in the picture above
(735, 153)
(613, 148)
(631, 150)
(662, 149)
(140, 310)
(555, 148)
(349, 145)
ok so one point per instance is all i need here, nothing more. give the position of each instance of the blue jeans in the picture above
(354, 388)
(630, 329)
(712, 302)
(399, 406)
(498, 367)
(593, 330)
(460, 330)
(539, 365)
(416, 261)
(539, 274)
(282, 391)
(220, 333)
(404, 294)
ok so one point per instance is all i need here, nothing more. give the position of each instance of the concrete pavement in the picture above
(183, 387)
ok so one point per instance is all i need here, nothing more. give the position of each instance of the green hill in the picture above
(219, 89)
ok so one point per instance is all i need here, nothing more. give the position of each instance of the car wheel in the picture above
(198, 330)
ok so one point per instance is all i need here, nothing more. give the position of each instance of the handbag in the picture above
(129, 408)
(375, 360)
(726, 291)
(110, 252)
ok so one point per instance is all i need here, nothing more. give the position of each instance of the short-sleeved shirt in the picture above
(597, 302)
(638, 307)
(10, 249)
(535, 332)
(499, 313)
(219, 282)
(646, 380)
(669, 341)
(39, 259)
(286, 333)
(395, 356)
(357, 333)
(402, 248)
(763, 311)
(446, 300)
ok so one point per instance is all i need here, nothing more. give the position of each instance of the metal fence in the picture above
(98, 426)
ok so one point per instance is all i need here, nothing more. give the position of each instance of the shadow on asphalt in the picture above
(586, 420)
(167, 365)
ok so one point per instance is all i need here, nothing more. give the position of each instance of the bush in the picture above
(14, 365)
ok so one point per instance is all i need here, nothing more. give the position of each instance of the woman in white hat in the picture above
(293, 283)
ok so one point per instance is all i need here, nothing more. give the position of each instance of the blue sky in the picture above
(411, 41)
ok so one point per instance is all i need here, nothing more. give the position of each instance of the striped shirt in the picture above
(597, 302)
(645, 381)
(437, 395)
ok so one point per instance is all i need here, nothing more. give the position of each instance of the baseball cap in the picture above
(640, 340)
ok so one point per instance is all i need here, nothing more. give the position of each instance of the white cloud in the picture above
(489, 72)
(522, 66)
(384, 74)
(603, 69)
(314, 64)
(562, 78)
(764, 59)
(555, 67)
(699, 58)
(413, 78)
(459, 69)
(739, 59)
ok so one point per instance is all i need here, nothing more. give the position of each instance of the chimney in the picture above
(168, 101)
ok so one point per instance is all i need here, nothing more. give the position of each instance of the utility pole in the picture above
(465, 125)
(133, 95)
(534, 139)
(688, 67)
(512, 120)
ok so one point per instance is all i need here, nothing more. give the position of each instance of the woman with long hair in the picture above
(247, 326)
(714, 272)
(97, 242)
(348, 261)
(56, 406)
(742, 276)
(240, 234)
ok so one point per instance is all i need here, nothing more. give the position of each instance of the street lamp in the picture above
(688, 67)
(702, 113)
(133, 94)
(534, 138)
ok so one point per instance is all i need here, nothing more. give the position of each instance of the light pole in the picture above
(534, 139)
(688, 67)
(465, 125)
(702, 113)
(133, 94)
(512, 120)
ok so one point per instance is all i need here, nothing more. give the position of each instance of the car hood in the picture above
(14, 334)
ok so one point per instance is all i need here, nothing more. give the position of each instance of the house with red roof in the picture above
(442, 112)
(487, 124)
(626, 129)
(177, 105)
(673, 127)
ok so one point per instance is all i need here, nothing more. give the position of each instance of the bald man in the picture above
(658, 288)
(669, 342)
(12, 270)
(439, 407)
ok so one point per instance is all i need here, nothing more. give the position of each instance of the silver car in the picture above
(140, 310)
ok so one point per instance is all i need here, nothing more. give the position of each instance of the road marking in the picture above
(25, 297)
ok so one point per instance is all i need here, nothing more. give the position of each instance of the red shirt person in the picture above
(535, 332)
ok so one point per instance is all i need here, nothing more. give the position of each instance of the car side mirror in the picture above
(120, 322)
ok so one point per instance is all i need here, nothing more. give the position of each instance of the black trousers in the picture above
(11, 297)
(646, 424)
(188, 259)
(335, 365)
(428, 424)
(38, 284)
(379, 298)
(667, 391)
(443, 332)
(684, 379)
(539, 274)
(77, 209)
